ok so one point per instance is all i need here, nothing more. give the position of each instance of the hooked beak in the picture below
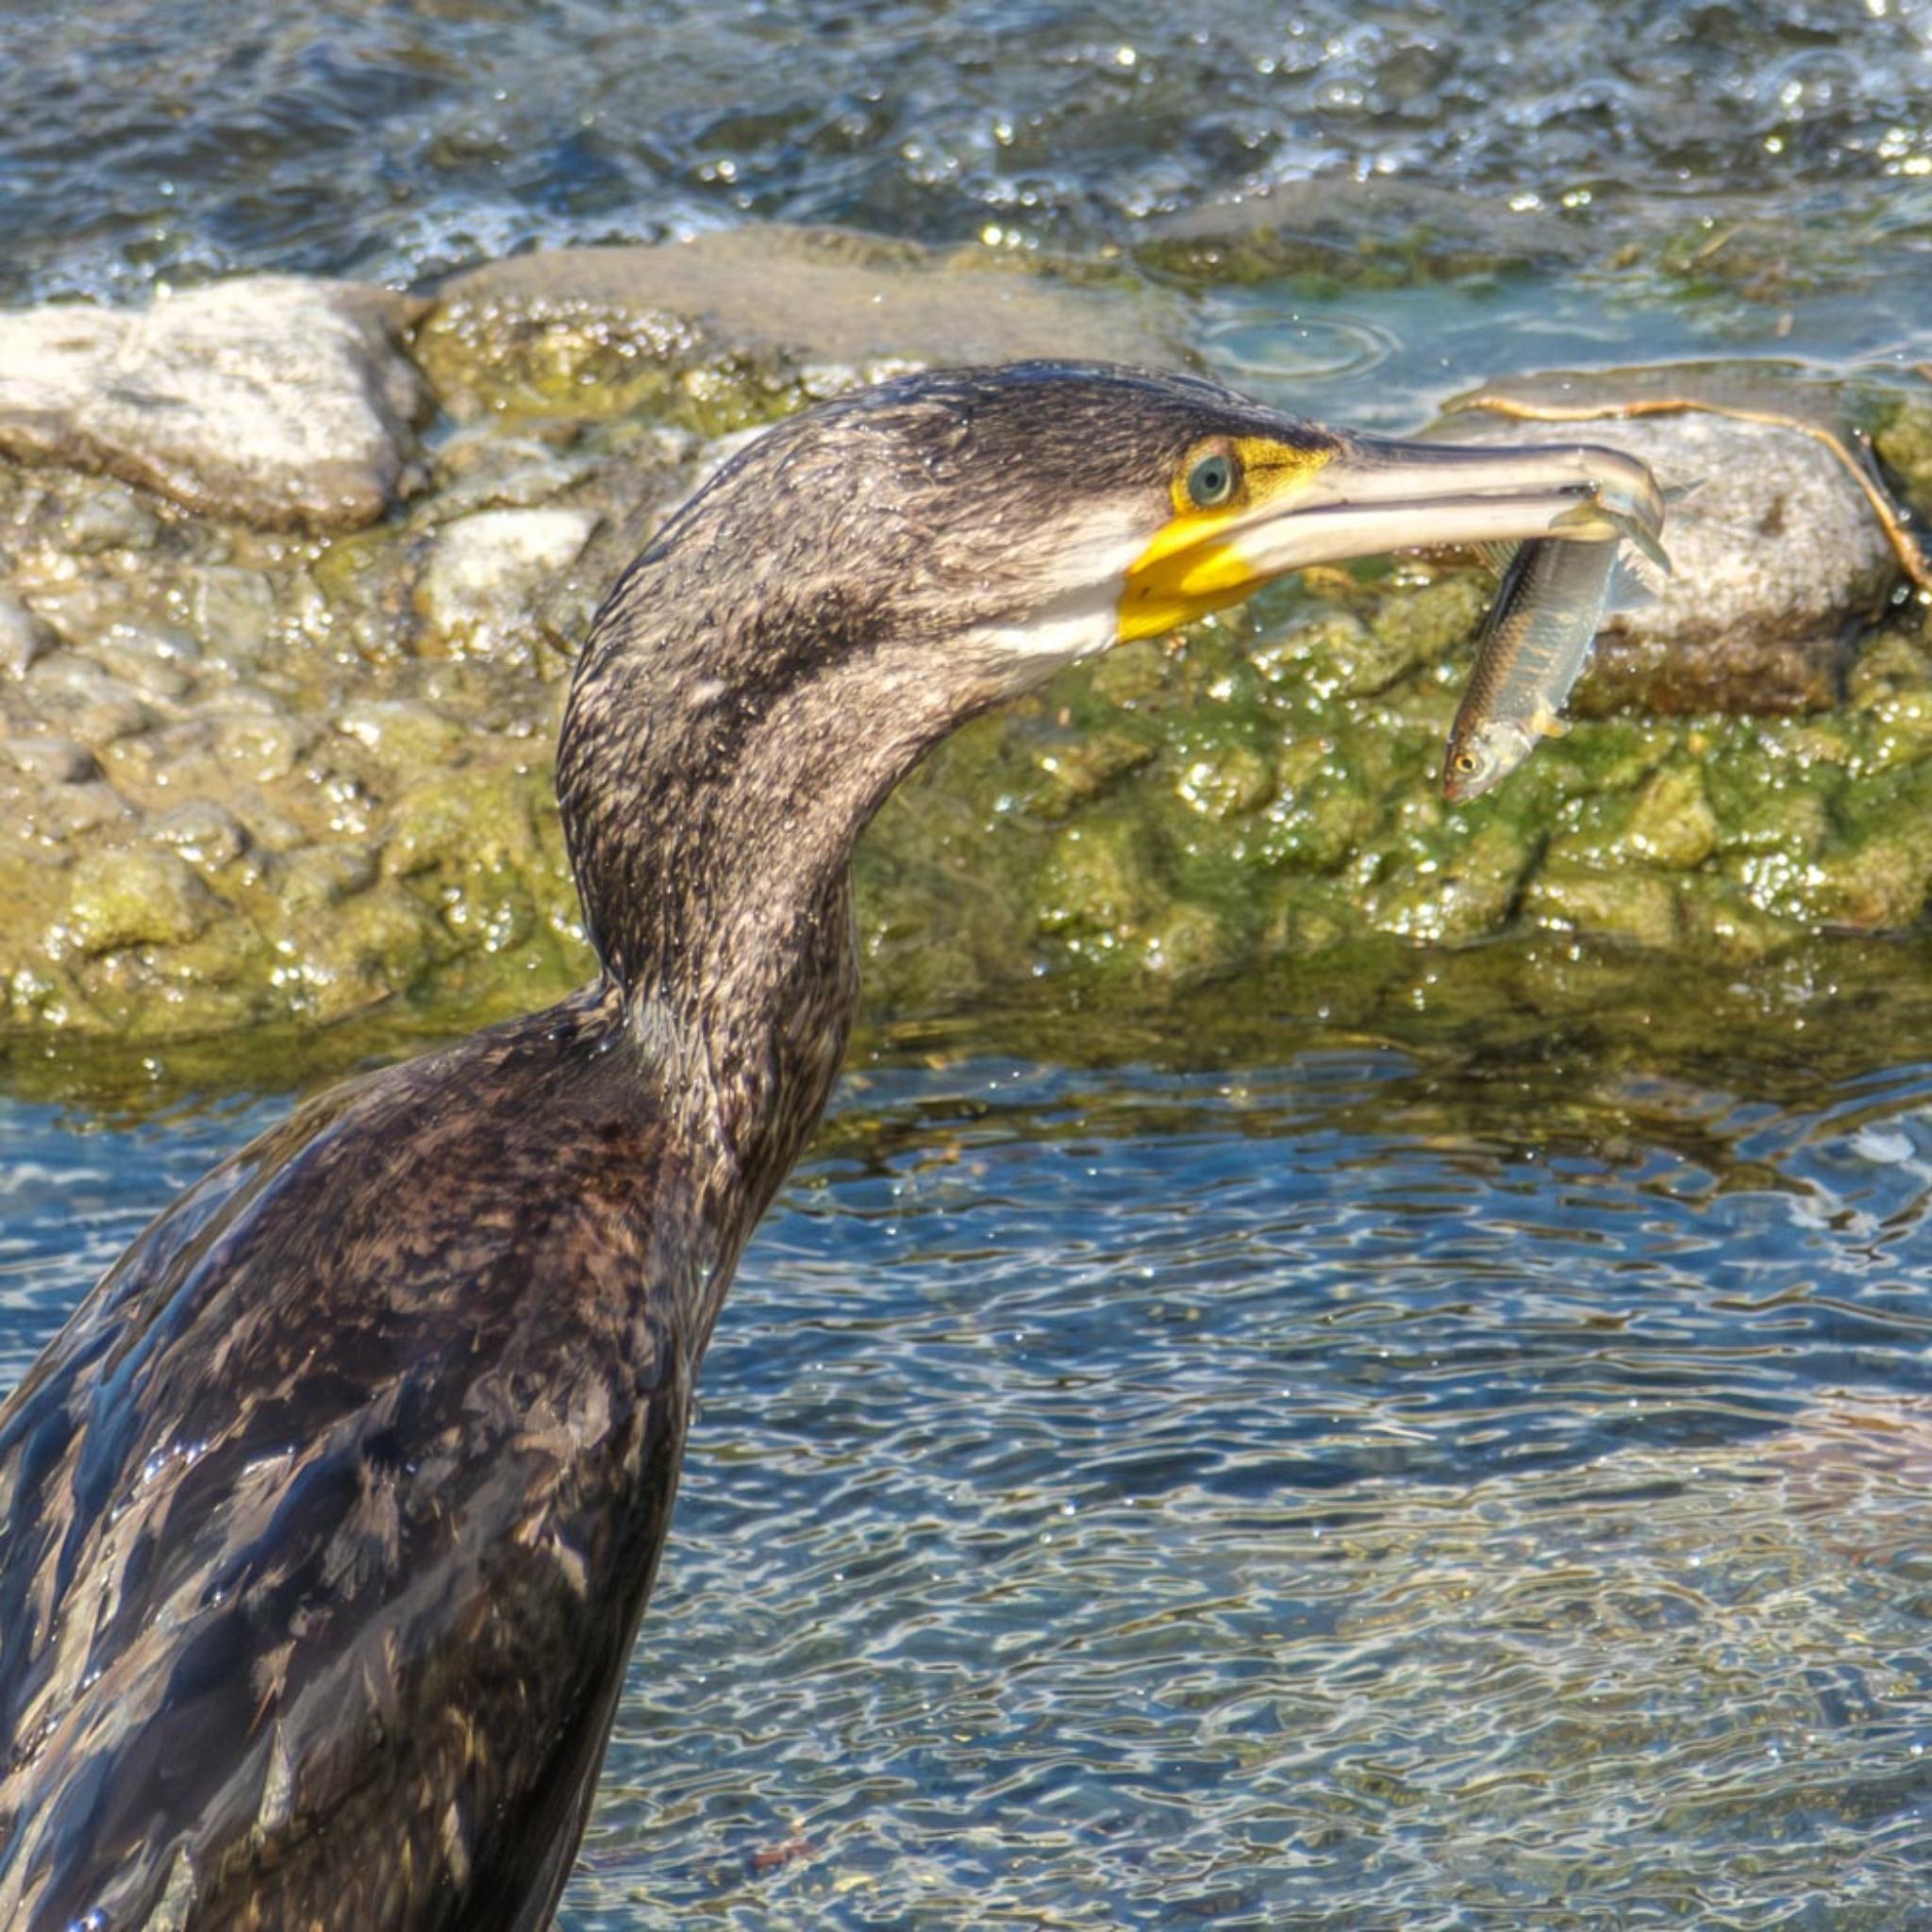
(1376, 494)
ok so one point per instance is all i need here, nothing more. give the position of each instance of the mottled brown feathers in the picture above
(422, 1382)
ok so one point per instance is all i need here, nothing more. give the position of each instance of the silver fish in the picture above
(1533, 644)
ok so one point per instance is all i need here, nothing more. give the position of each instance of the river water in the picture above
(390, 138)
(1461, 1460)
(1435, 1457)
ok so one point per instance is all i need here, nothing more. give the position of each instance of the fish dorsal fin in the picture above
(1497, 557)
(1638, 578)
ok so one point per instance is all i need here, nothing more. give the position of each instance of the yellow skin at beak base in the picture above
(1196, 562)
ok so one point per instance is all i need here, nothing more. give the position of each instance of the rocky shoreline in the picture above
(291, 574)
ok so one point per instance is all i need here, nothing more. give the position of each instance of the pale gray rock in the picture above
(485, 570)
(821, 298)
(1774, 556)
(276, 400)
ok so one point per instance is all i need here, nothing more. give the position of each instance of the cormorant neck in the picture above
(714, 780)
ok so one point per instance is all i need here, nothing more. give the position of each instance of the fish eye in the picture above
(1211, 481)
(1467, 761)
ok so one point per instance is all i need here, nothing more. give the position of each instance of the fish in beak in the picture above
(1247, 509)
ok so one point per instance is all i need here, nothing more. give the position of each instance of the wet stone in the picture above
(76, 811)
(23, 636)
(724, 327)
(1078, 770)
(1228, 782)
(472, 821)
(53, 760)
(485, 471)
(1635, 907)
(261, 745)
(120, 899)
(155, 659)
(406, 733)
(232, 611)
(281, 401)
(106, 516)
(1128, 673)
(1192, 944)
(321, 875)
(92, 705)
(207, 835)
(362, 949)
(1103, 878)
(1671, 823)
(485, 570)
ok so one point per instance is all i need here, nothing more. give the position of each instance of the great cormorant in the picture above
(328, 1520)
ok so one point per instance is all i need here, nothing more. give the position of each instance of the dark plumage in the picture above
(327, 1522)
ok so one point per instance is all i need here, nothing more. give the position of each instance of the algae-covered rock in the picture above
(361, 950)
(737, 326)
(250, 775)
(206, 833)
(118, 899)
(1101, 882)
(1903, 442)
(1632, 905)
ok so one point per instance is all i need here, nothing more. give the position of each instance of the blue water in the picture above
(1392, 1484)
(389, 139)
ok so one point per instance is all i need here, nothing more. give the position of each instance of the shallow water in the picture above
(1436, 1472)
(389, 138)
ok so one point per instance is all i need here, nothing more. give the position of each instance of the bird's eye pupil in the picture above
(1211, 481)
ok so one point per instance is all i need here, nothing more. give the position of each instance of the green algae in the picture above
(118, 900)
(1156, 820)
(1559, 1025)
(368, 741)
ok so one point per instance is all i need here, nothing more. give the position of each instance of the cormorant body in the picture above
(328, 1522)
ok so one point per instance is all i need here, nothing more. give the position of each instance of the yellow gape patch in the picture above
(1226, 490)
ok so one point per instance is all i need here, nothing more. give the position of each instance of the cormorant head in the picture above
(1021, 516)
(868, 574)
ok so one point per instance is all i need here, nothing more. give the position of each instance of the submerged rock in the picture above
(1344, 233)
(275, 400)
(250, 774)
(736, 326)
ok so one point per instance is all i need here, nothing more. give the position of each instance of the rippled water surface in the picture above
(388, 137)
(1422, 1476)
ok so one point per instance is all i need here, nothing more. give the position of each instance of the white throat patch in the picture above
(1087, 620)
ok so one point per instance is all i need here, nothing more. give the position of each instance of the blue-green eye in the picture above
(1211, 481)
